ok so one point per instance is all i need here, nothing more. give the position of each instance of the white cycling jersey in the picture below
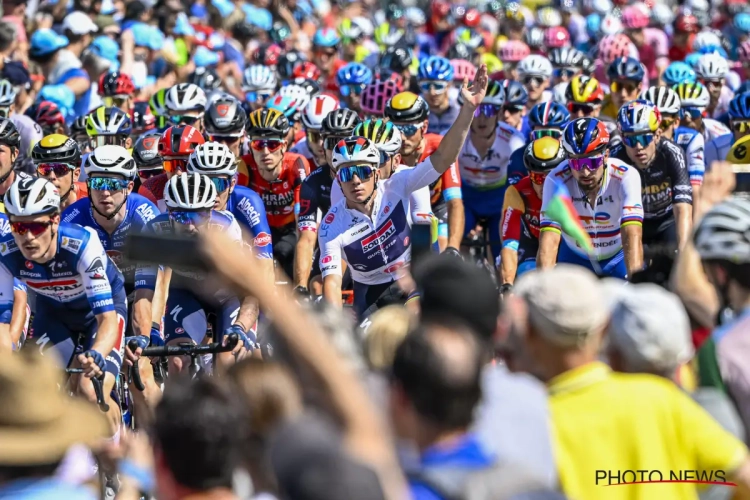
(420, 207)
(718, 149)
(301, 148)
(375, 248)
(726, 96)
(619, 203)
(693, 143)
(490, 172)
(713, 129)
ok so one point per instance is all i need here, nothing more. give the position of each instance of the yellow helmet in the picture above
(584, 89)
(543, 154)
(493, 63)
(267, 122)
(407, 107)
(740, 152)
(56, 148)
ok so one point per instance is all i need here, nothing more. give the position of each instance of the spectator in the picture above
(635, 421)
(38, 424)
(13, 27)
(388, 327)
(7, 40)
(200, 432)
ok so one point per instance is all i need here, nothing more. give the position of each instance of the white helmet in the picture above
(558, 93)
(258, 77)
(665, 99)
(724, 232)
(355, 149)
(217, 95)
(383, 134)
(601, 7)
(190, 192)
(212, 158)
(662, 14)
(298, 93)
(699, 5)
(610, 25)
(111, 159)
(316, 111)
(29, 196)
(7, 93)
(711, 67)
(535, 65)
(548, 17)
(706, 39)
(185, 97)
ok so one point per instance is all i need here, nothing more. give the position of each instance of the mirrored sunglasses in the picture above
(185, 217)
(174, 165)
(313, 136)
(221, 183)
(356, 89)
(628, 87)
(586, 109)
(487, 110)
(565, 72)
(535, 81)
(437, 86)
(592, 164)
(35, 228)
(184, 119)
(60, 169)
(547, 132)
(408, 129)
(364, 172)
(107, 184)
(634, 140)
(147, 174)
(273, 145)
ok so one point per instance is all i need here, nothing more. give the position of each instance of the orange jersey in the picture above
(280, 197)
(448, 186)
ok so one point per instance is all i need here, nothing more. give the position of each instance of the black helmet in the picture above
(267, 122)
(460, 51)
(78, 127)
(146, 151)
(225, 117)
(280, 32)
(287, 62)
(311, 86)
(56, 148)
(396, 58)
(9, 133)
(205, 78)
(340, 122)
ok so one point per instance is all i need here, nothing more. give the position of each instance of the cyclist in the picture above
(606, 193)
(217, 162)
(175, 145)
(352, 80)
(626, 76)
(546, 119)
(159, 109)
(117, 90)
(315, 200)
(483, 163)
(567, 62)
(409, 113)
(57, 159)
(146, 157)
(514, 109)
(311, 147)
(535, 71)
(325, 49)
(276, 176)
(48, 116)
(712, 70)
(225, 122)
(665, 183)
(79, 133)
(29, 131)
(375, 241)
(259, 84)
(739, 122)
(80, 300)
(142, 119)
(584, 96)
(109, 126)
(521, 207)
(435, 78)
(185, 104)
(190, 199)
(694, 100)
(9, 143)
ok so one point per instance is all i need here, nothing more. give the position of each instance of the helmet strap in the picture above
(5, 177)
(114, 213)
(374, 188)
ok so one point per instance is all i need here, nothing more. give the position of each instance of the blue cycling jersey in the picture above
(247, 206)
(80, 275)
(516, 168)
(138, 211)
(693, 143)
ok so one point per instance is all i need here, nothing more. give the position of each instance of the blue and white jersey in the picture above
(377, 247)
(248, 208)
(694, 145)
(145, 274)
(80, 276)
(5, 229)
(138, 211)
(718, 149)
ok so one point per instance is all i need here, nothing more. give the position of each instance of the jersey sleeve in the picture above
(6, 294)
(410, 179)
(632, 202)
(91, 266)
(146, 193)
(451, 183)
(252, 213)
(302, 166)
(420, 206)
(516, 142)
(682, 190)
(330, 255)
(145, 273)
(695, 156)
(516, 168)
(308, 207)
(513, 209)
(545, 222)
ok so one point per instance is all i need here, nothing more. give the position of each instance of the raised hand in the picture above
(474, 95)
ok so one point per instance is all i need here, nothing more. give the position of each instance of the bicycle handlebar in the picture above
(191, 350)
(98, 384)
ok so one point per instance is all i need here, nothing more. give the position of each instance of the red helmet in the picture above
(267, 54)
(556, 37)
(46, 114)
(687, 23)
(307, 70)
(176, 144)
(116, 84)
(441, 9)
(141, 117)
(471, 18)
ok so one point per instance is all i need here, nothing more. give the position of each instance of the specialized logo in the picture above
(262, 240)
(96, 270)
(380, 237)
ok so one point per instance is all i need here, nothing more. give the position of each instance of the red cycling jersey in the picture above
(280, 197)
(449, 179)
(153, 189)
(521, 206)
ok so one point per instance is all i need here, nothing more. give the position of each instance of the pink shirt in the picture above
(20, 28)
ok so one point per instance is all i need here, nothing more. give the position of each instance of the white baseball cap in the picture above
(79, 23)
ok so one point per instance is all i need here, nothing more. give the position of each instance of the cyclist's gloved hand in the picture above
(141, 340)
(303, 294)
(248, 339)
(156, 338)
(97, 357)
(453, 252)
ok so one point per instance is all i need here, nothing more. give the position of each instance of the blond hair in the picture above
(387, 330)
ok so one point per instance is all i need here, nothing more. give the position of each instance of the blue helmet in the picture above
(739, 107)
(626, 68)
(354, 74)
(549, 114)
(742, 22)
(593, 25)
(284, 104)
(326, 37)
(638, 117)
(692, 59)
(435, 68)
(713, 49)
(585, 137)
(515, 93)
(679, 72)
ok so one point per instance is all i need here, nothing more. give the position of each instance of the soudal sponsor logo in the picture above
(54, 286)
(102, 303)
(380, 237)
(262, 239)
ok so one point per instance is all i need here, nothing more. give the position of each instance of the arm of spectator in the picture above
(127, 44)
(683, 216)
(364, 434)
(79, 85)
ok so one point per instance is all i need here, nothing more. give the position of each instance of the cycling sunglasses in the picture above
(364, 172)
(546, 132)
(627, 86)
(273, 145)
(586, 109)
(226, 139)
(512, 109)
(258, 96)
(488, 110)
(60, 169)
(221, 183)
(313, 136)
(330, 141)
(186, 218)
(326, 52)
(693, 112)
(592, 164)
(107, 184)
(438, 86)
(409, 129)
(35, 228)
(147, 174)
(666, 122)
(174, 165)
(117, 102)
(714, 83)
(108, 140)
(356, 89)
(535, 81)
(537, 177)
(565, 72)
(4, 112)
(741, 127)
(185, 119)
(632, 141)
